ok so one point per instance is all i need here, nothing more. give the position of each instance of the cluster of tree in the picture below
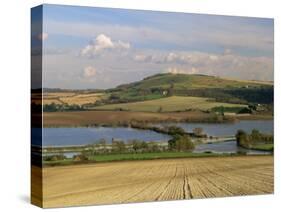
(54, 157)
(181, 143)
(95, 104)
(119, 147)
(178, 143)
(125, 94)
(198, 131)
(142, 146)
(232, 95)
(174, 130)
(238, 110)
(62, 107)
(170, 130)
(251, 96)
(254, 95)
(255, 137)
(84, 156)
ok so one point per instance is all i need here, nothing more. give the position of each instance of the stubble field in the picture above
(71, 98)
(157, 180)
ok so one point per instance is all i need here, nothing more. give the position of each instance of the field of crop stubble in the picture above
(156, 180)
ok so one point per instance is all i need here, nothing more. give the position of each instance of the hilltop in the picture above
(191, 81)
(166, 93)
(167, 84)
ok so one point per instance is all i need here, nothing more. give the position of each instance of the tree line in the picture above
(248, 140)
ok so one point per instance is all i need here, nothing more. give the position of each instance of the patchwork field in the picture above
(156, 180)
(71, 98)
(169, 104)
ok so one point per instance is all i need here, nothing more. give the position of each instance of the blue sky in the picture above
(87, 47)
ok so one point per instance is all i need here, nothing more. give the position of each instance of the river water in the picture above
(92, 135)
(82, 135)
(228, 129)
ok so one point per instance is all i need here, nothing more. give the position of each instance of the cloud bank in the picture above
(102, 43)
(98, 50)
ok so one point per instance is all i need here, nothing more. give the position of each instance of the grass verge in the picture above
(133, 156)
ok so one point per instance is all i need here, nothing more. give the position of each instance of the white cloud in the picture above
(175, 70)
(171, 57)
(142, 58)
(42, 36)
(70, 71)
(101, 43)
(227, 64)
(89, 72)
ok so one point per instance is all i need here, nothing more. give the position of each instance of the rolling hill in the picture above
(168, 92)
(220, 89)
(191, 81)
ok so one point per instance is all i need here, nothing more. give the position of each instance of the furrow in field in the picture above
(242, 181)
(168, 179)
(167, 189)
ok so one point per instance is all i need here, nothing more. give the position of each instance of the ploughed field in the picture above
(157, 180)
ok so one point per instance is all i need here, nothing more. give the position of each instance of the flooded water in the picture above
(81, 136)
(228, 129)
(66, 154)
(226, 147)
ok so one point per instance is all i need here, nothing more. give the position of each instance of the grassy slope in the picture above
(265, 147)
(174, 103)
(194, 85)
(187, 81)
(151, 88)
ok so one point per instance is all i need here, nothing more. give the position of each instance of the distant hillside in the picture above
(190, 81)
(170, 104)
(223, 90)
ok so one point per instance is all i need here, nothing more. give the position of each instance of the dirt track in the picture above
(156, 180)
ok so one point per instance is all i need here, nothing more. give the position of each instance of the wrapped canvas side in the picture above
(36, 106)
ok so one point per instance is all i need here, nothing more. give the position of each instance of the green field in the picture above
(221, 89)
(133, 156)
(149, 156)
(264, 147)
(169, 104)
(167, 93)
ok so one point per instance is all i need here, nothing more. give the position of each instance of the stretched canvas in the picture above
(134, 106)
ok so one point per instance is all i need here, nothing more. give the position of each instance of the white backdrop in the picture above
(15, 88)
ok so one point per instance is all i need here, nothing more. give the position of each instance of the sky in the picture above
(86, 47)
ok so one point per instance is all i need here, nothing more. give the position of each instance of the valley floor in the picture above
(157, 180)
(85, 118)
